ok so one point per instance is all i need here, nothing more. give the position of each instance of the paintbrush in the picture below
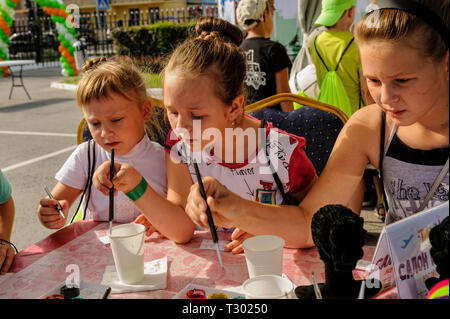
(316, 287)
(111, 192)
(212, 227)
(58, 206)
(362, 289)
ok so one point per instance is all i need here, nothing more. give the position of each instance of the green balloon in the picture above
(70, 72)
(66, 43)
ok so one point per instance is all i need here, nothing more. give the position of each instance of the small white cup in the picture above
(127, 244)
(264, 255)
(268, 287)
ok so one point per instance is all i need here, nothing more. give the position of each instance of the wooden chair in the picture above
(317, 122)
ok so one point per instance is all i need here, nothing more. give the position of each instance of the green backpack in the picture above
(332, 90)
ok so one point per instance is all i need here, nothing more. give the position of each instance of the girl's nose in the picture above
(183, 127)
(388, 95)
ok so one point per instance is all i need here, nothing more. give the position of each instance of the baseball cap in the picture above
(250, 12)
(332, 11)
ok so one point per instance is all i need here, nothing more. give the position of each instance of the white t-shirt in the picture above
(147, 157)
(253, 179)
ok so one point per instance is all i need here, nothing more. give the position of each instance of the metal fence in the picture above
(36, 37)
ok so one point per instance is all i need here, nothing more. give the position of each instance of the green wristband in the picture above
(138, 191)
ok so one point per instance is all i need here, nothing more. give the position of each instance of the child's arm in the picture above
(165, 214)
(47, 212)
(7, 252)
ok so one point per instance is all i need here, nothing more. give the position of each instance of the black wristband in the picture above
(10, 243)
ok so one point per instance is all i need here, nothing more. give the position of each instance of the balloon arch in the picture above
(67, 34)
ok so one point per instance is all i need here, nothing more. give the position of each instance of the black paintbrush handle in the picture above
(212, 227)
(111, 190)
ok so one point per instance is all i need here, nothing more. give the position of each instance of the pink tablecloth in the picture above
(42, 266)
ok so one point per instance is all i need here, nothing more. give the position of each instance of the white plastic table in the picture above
(14, 75)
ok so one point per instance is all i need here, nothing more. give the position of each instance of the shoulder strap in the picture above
(345, 50)
(381, 157)
(274, 173)
(433, 188)
(320, 57)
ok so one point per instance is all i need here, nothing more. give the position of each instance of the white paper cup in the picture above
(268, 287)
(127, 244)
(264, 255)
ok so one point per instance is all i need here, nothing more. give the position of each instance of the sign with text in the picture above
(402, 256)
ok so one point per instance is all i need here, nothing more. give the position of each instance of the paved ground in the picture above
(50, 111)
(37, 136)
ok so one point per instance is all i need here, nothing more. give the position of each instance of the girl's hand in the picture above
(48, 214)
(149, 229)
(224, 204)
(125, 180)
(237, 238)
(7, 254)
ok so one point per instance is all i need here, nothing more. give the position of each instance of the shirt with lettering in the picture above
(252, 179)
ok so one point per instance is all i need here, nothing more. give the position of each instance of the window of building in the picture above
(134, 17)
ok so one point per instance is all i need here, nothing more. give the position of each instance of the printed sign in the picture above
(403, 255)
(102, 5)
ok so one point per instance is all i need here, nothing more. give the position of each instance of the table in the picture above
(42, 266)
(20, 63)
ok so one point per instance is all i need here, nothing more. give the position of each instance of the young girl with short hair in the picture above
(115, 105)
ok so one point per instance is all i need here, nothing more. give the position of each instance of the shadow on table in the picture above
(32, 105)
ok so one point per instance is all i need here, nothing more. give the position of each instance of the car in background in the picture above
(27, 42)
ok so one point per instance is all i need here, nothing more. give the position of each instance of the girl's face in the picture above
(409, 87)
(192, 100)
(116, 122)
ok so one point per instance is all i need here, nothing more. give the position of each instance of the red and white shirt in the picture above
(253, 179)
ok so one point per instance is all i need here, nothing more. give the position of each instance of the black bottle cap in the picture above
(70, 292)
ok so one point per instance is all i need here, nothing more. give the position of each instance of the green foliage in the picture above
(155, 40)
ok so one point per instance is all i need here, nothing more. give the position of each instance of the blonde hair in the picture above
(397, 25)
(103, 76)
(214, 52)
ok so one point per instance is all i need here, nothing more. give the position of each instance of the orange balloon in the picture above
(70, 59)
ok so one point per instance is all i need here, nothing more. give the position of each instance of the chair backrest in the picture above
(317, 122)
(289, 97)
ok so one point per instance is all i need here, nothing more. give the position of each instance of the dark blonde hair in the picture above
(214, 52)
(104, 76)
(397, 25)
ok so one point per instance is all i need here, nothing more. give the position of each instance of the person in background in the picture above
(7, 211)
(267, 61)
(335, 49)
